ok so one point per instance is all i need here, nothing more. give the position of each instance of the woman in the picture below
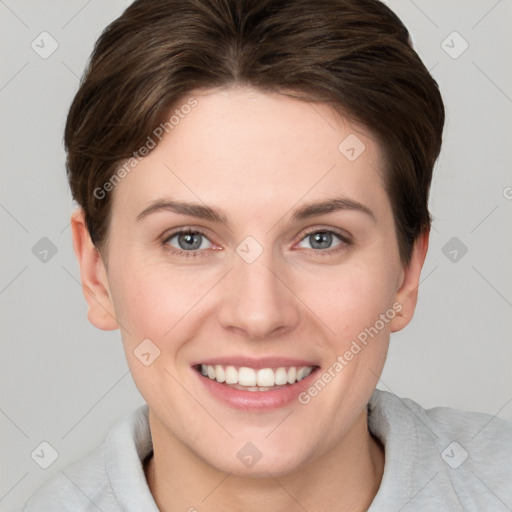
(253, 181)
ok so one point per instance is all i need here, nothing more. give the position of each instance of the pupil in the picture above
(321, 240)
(189, 241)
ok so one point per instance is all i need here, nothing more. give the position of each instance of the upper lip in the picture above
(257, 363)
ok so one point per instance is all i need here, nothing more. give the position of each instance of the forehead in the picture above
(246, 148)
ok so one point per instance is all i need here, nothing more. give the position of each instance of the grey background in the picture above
(67, 383)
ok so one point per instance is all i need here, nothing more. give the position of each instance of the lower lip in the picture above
(256, 400)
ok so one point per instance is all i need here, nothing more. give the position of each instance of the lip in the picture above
(257, 364)
(256, 400)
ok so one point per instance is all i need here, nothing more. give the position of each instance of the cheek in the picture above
(350, 298)
(155, 305)
(150, 300)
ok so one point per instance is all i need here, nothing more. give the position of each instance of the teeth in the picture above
(255, 380)
(291, 375)
(265, 377)
(246, 377)
(302, 372)
(281, 377)
(220, 375)
(231, 374)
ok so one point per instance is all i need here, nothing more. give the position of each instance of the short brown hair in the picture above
(355, 55)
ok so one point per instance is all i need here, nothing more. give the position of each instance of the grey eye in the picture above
(188, 240)
(321, 240)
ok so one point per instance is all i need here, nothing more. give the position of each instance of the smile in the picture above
(255, 384)
(255, 379)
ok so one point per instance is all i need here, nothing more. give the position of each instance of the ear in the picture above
(93, 275)
(407, 294)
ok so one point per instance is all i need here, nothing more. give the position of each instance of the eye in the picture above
(322, 240)
(187, 242)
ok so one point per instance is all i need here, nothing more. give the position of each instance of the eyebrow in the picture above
(205, 212)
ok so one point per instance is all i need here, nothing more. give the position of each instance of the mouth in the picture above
(250, 379)
(256, 385)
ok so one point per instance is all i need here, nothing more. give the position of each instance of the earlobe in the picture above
(93, 275)
(407, 294)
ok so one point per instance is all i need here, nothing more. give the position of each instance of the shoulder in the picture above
(75, 488)
(462, 456)
(478, 432)
(444, 422)
(89, 484)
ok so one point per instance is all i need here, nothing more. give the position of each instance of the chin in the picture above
(250, 462)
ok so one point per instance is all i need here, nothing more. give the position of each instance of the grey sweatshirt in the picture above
(439, 459)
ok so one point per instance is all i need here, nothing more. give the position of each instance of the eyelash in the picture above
(345, 241)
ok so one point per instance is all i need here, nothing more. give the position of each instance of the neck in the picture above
(346, 478)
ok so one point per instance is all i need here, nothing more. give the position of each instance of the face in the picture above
(292, 304)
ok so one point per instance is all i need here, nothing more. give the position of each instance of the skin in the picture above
(255, 157)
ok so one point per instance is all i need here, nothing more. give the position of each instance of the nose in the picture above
(257, 301)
